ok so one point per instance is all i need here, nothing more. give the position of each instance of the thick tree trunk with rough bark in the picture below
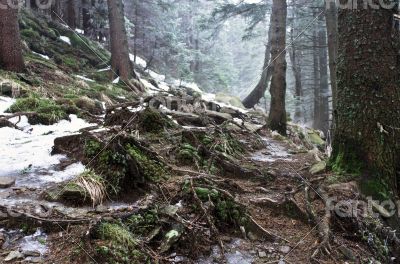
(120, 61)
(367, 134)
(277, 113)
(10, 42)
(331, 28)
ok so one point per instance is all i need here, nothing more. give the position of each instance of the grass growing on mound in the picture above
(121, 245)
(93, 185)
(48, 112)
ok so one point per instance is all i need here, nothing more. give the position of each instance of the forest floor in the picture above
(92, 173)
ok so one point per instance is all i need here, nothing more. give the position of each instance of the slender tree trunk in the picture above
(258, 92)
(323, 81)
(10, 42)
(331, 27)
(71, 14)
(277, 114)
(367, 133)
(120, 61)
(86, 24)
(295, 60)
(316, 86)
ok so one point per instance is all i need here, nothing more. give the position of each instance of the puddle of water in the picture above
(34, 243)
(233, 254)
(272, 152)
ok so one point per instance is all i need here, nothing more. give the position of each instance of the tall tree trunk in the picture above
(323, 81)
(258, 92)
(120, 61)
(367, 134)
(71, 14)
(295, 60)
(331, 27)
(316, 87)
(277, 113)
(86, 24)
(10, 42)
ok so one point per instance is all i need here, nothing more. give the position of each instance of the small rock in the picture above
(318, 167)
(252, 236)
(281, 261)
(262, 254)
(347, 253)
(13, 255)
(101, 209)
(6, 182)
(284, 249)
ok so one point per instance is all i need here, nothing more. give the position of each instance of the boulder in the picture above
(13, 255)
(318, 167)
(229, 100)
(6, 182)
(92, 106)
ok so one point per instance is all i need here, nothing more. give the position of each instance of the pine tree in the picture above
(10, 42)
(120, 61)
(367, 116)
(277, 113)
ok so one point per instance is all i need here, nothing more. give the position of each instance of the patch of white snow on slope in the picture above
(116, 80)
(84, 78)
(41, 55)
(26, 153)
(139, 61)
(65, 39)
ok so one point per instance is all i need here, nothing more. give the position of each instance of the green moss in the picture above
(375, 188)
(152, 121)
(117, 234)
(48, 112)
(224, 142)
(151, 169)
(143, 223)
(70, 62)
(92, 148)
(188, 154)
(346, 161)
(226, 210)
(121, 245)
(30, 33)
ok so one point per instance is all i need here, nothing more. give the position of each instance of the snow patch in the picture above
(156, 76)
(79, 31)
(139, 61)
(34, 243)
(84, 78)
(41, 55)
(65, 39)
(28, 151)
(5, 103)
(116, 80)
(105, 69)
